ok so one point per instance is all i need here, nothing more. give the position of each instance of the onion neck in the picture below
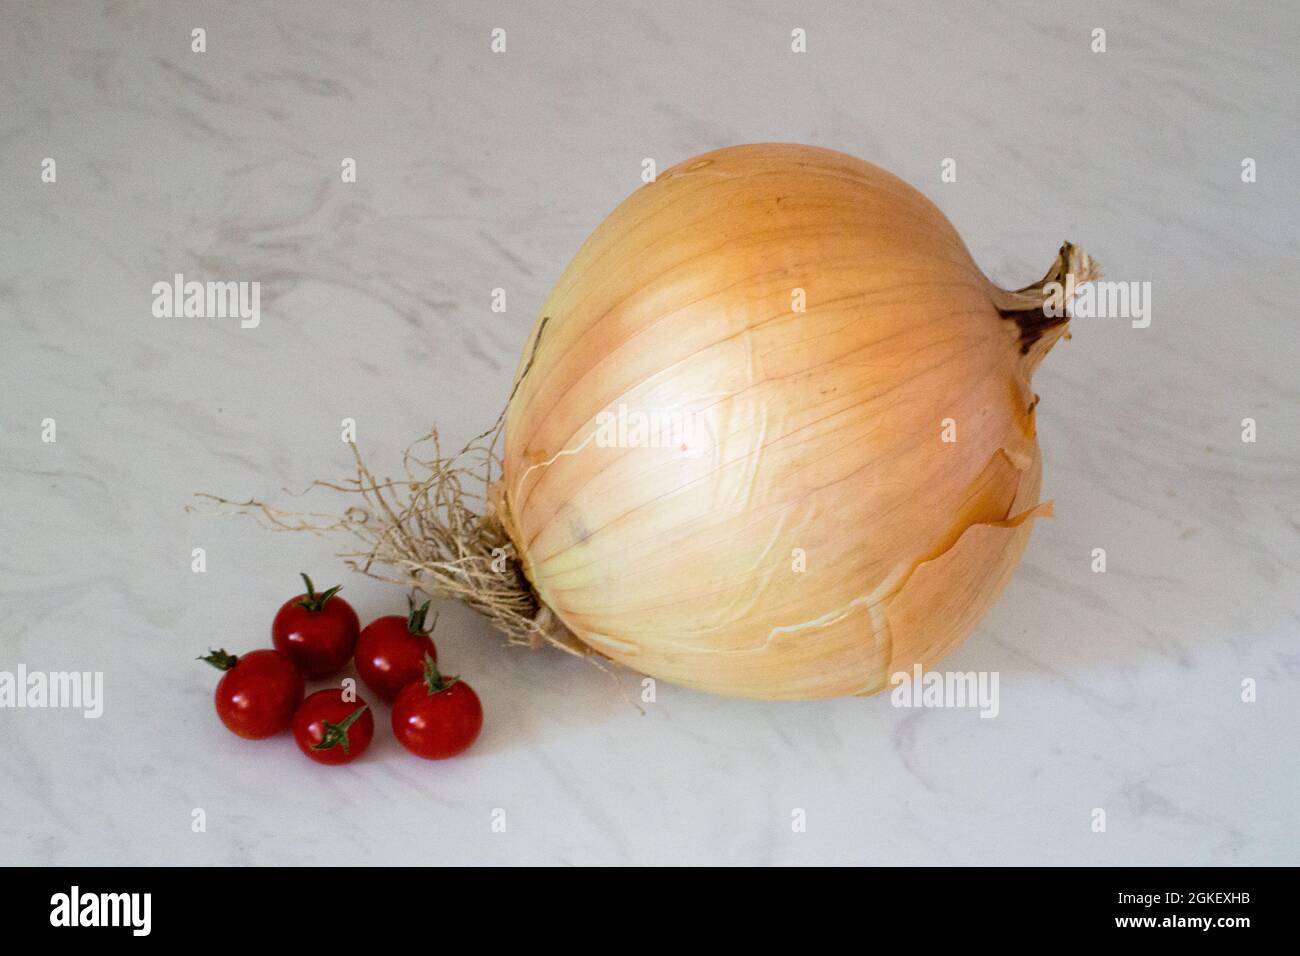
(1041, 311)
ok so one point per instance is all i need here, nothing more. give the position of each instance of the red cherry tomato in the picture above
(390, 651)
(437, 717)
(331, 730)
(317, 631)
(259, 692)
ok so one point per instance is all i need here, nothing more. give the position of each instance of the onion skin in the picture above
(823, 430)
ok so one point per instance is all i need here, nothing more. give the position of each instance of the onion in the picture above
(773, 435)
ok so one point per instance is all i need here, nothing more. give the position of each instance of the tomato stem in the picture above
(221, 660)
(415, 617)
(336, 735)
(433, 680)
(313, 601)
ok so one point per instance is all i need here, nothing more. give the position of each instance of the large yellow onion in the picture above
(853, 464)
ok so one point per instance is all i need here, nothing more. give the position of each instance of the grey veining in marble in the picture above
(478, 170)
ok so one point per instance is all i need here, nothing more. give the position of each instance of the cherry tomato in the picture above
(390, 651)
(317, 631)
(331, 730)
(437, 717)
(259, 692)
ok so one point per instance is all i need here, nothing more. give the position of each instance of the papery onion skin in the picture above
(822, 431)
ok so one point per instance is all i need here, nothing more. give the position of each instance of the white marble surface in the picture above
(1119, 690)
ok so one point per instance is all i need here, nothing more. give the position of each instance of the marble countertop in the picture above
(1120, 691)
